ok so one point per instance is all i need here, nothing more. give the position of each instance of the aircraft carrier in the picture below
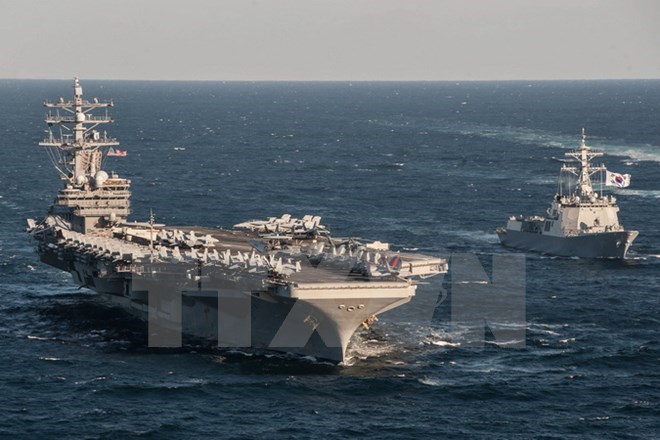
(282, 284)
(580, 222)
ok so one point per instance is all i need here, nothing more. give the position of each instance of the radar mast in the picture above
(91, 198)
(583, 156)
(76, 148)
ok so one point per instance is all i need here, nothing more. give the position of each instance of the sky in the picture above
(355, 40)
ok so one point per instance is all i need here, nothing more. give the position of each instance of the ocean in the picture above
(433, 166)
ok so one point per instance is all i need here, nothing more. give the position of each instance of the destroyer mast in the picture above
(583, 155)
(91, 198)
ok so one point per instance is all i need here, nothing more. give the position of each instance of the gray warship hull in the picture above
(595, 245)
(315, 316)
(580, 222)
(280, 284)
(200, 323)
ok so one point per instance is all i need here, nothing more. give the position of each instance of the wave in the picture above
(446, 343)
(636, 151)
(647, 193)
(475, 236)
(430, 382)
(639, 153)
(54, 359)
(544, 181)
(362, 348)
(433, 336)
(40, 338)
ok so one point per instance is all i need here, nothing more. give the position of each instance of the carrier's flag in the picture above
(618, 180)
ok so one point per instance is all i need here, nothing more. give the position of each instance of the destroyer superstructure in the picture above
(283, 284)
(580, 222)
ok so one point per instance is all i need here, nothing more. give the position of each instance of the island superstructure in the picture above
(580, 221)
(306, 292)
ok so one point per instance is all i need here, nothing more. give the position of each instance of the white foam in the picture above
(241, 353)
(550, 332)
(476, 236)
(38, 338)
(430, 382)
(648, 193)
(505, 343)
(637, 152)
(446, 343)
(542, 325)
(360, 349)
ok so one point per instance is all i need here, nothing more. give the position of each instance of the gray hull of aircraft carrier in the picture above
(279, 284)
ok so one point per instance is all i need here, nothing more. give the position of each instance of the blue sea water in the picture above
(433, 166)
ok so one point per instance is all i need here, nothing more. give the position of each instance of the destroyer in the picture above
(580, 222)
(282, 284)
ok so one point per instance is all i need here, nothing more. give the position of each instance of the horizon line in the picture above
(337, 80)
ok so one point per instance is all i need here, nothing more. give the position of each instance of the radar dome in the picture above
(81, 180)
(80, 117)
(100, 178)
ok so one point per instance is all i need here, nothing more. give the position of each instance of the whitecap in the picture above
(446, 343)
(242, 353)
(542, 325)
(475, 236)
(430, 382)
(636, 152)
(649, 193)
(520, 342)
